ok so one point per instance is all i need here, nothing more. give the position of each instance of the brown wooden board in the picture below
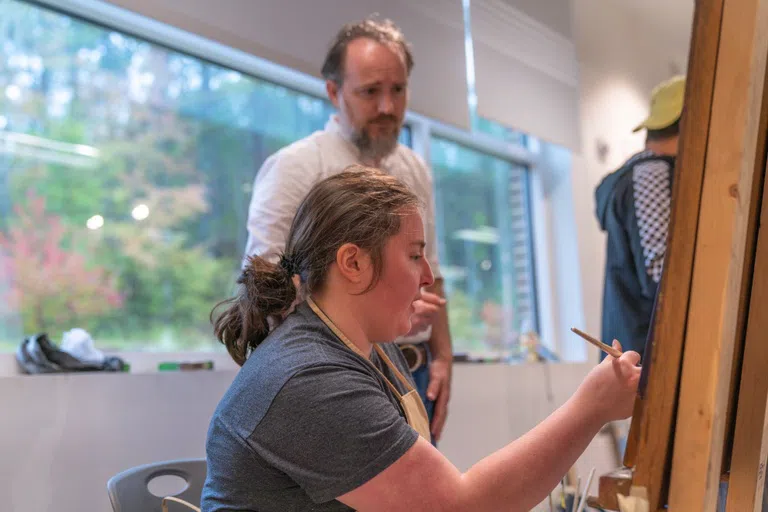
(655, 423)
(723, 258)
(633, 438)
(750, 446)
(757, 131)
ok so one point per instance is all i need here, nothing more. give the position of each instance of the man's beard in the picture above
(376, 148)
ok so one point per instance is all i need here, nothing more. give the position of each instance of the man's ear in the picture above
(354, 264)
(333, 90)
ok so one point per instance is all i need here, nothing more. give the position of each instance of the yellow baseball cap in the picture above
(666, 104)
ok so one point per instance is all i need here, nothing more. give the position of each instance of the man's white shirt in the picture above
(286, 178)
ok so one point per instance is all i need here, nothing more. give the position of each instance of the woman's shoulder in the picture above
(300, 340)
(299, 343)
(297, 355)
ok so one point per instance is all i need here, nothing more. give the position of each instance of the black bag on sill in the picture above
(38, 354)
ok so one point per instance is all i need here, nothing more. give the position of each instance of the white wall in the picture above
(62, 437)
(622, 56)
(526, 71)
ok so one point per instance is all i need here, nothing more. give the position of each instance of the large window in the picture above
(485, 250)
(125, 175)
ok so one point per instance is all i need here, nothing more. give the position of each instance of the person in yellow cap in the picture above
(633, 207)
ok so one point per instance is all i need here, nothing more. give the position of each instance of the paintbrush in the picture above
(583, 500)
(599, 344)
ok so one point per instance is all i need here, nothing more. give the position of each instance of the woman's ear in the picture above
(354, 264)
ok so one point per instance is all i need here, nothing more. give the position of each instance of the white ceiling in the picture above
(673, 18)
(657, 28)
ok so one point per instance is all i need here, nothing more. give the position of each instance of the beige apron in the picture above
(415, 413)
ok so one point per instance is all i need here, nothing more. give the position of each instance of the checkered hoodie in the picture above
(633, 207)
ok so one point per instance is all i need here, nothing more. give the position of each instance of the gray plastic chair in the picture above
(129, 490)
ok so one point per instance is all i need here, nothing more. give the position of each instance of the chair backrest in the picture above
(129, 490)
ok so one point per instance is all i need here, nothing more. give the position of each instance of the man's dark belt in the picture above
(415, 355)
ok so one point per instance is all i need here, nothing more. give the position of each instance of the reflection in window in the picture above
(125, 177)
(485, 250)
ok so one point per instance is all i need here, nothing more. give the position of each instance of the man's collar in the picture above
(333, 125)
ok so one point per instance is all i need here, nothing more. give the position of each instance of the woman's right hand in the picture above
(609, 390)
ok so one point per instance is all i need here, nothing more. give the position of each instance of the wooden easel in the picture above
(701, 416)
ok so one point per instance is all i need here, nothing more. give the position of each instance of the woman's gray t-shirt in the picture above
(306, 420)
